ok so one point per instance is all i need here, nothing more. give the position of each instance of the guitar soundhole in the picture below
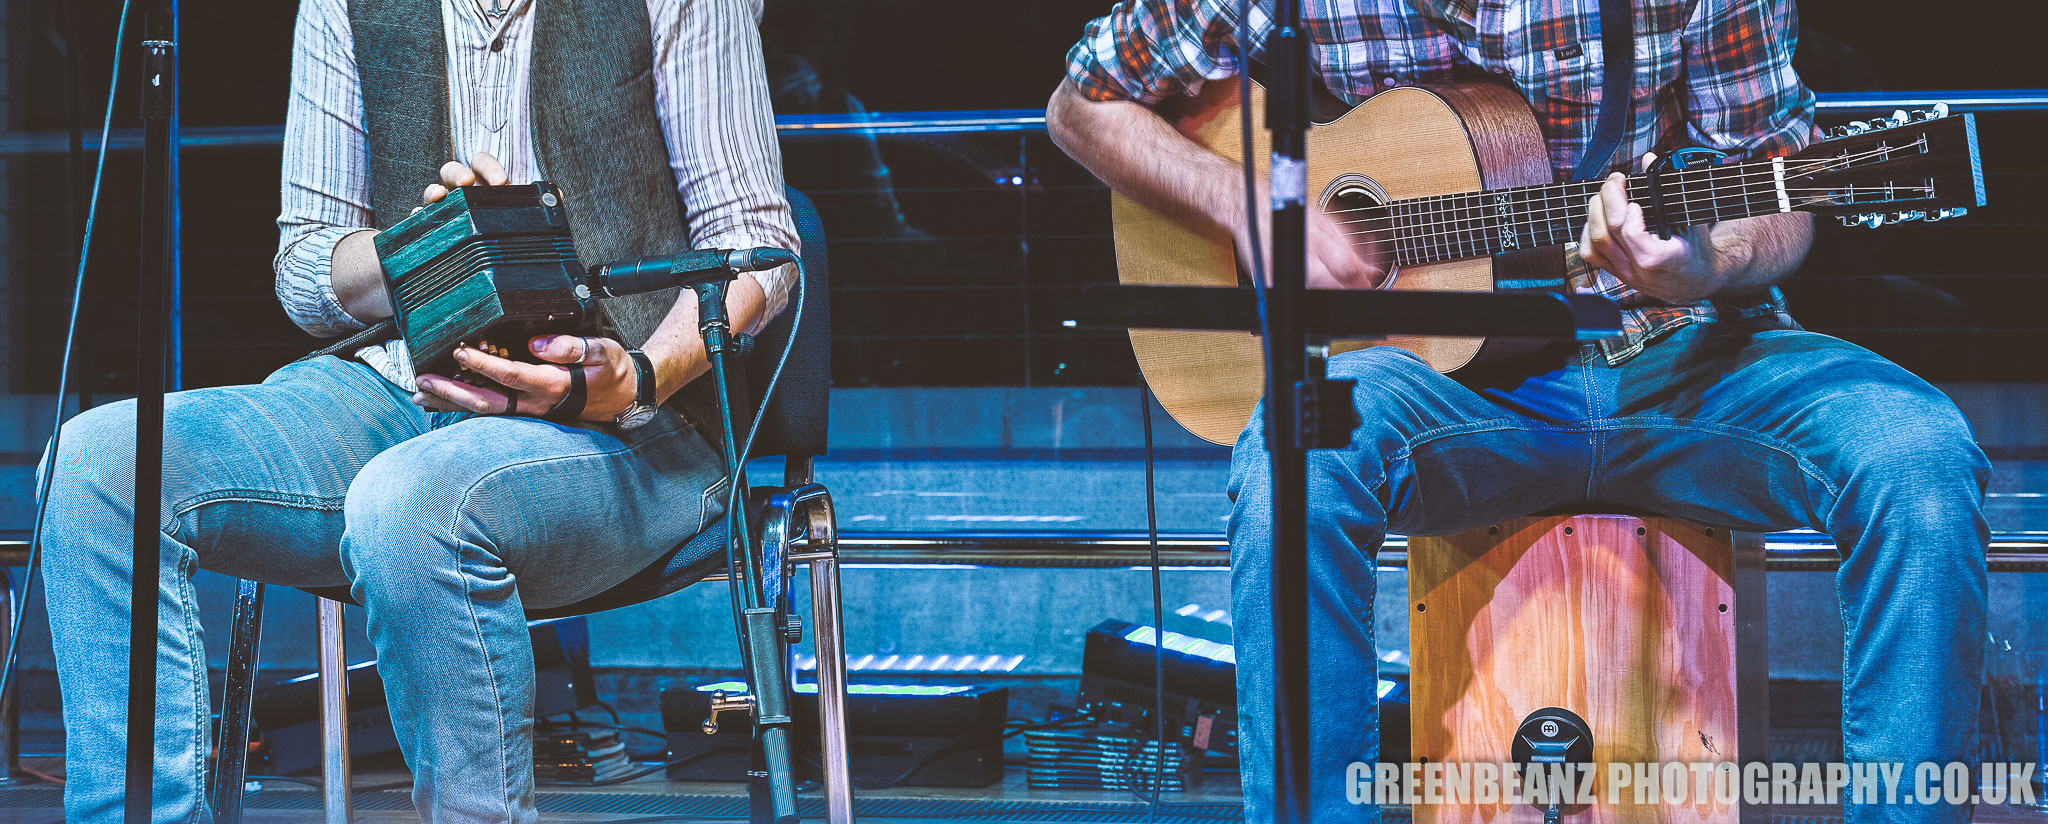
(1354, 203)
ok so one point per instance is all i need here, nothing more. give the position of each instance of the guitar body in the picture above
(1402, 143)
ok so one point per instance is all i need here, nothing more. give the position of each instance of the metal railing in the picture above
(1783, 551)
(991, 120)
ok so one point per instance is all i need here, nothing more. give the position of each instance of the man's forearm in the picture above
(358, 278)
(1753, 253)
(1139, 155)
(677, 348)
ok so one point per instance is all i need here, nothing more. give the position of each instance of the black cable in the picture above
(35, 538)
(734, 494)
(1256, 252)
(1158, 606)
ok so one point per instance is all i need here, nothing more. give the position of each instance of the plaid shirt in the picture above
(1714, 73)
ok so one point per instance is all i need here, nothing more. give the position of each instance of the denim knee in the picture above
(1909, 449)
(409, 527)
(94, 467)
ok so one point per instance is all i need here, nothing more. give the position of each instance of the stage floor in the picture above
(654, 800)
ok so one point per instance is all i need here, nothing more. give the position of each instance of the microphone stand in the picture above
(159, 112)
(1294, 385)
(763, 644)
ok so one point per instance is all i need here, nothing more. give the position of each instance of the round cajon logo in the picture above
(1549, 728)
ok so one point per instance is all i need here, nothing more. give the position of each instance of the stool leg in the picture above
(335, 803)
(232, 768)
(830, 638)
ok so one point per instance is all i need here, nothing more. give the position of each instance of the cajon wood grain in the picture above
(1651, 629)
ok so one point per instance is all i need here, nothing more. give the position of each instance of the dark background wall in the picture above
(946, 277)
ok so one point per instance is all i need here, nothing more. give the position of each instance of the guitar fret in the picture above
(1475, 236)
(1435, 226)
(1402, 243)
(1460, 232)
(1714, 193)
(1475, 232)
(1455, 237)
(1447, 228)
(1426, 224)
(1454, 232)
(1398, 230)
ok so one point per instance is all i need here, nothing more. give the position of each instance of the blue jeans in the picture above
(1720, 423)
(445, 527)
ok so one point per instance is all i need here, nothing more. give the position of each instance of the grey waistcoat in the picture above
(596, 132)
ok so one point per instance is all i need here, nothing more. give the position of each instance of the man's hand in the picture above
(483, 170)
(534, 389)
(1337, 258)
(1679, 269)
(1137, 153)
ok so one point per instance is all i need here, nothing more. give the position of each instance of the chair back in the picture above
(795, 424)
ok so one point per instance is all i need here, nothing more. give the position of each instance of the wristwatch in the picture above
(643, 407)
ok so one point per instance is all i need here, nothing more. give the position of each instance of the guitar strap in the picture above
(1618, 52)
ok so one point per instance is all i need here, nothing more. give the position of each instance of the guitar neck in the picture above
(1473, 224)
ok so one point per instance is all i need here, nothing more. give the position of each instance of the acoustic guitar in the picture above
(1451, 187)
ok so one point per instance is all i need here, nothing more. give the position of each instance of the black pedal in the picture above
(923, 735)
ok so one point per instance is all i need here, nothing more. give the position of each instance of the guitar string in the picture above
(1686, 198)
(1479, 219)
(1569, 213)
(1474, 247)
(1711, 195)
(1536, 217)
(1569, 209)
(1712, 184)
(1423, 254)
(1466, 235)
(1764, 168)
(1573, 211)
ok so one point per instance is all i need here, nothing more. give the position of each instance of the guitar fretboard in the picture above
(1473, 224)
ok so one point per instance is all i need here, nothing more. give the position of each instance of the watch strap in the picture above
(644, 365)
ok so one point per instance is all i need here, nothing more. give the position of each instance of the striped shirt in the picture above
(1715, 73)
(709, 86)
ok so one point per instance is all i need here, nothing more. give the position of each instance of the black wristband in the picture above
(570, 407)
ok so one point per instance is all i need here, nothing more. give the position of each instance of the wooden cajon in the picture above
(1650, 629)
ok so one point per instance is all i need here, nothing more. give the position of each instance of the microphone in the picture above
(632, 277)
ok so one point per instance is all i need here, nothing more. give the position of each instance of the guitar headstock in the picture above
(1919, 165)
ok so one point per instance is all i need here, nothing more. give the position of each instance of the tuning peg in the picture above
(1868, 221)
(1934, 112)
(1906, 217)
(1944, 214)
